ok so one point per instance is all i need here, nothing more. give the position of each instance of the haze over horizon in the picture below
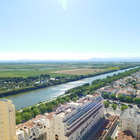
(69, 29)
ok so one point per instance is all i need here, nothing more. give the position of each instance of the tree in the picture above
(42, 108)
(129, 99)
(136, 100)
(124, 107)
(74, 99)
(26, 116)
(114, 107)
(55, 102)
(35, 112)
(106, 95)
(34, 106)
(121, 97)
(18, 119)
(113, 96)
(106, 105)
(109, 138)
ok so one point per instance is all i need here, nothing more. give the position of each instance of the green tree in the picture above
(34, 106)
(129, 99)
(106, 105)
(18, 119)
(55, 102)
(106, 95)
(114, 107)
(121, 97)
(27, 109)
(113, 96)
(26, 116)
(42, 108)
(35, 112)
(109, 138)
(136, 100)
(124, 107)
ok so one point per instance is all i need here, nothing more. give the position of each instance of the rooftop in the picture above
(29, 124)
(69, 107)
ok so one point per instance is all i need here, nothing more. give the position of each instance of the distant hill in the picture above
(111, 59)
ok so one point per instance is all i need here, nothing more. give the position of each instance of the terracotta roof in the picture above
(30, 123)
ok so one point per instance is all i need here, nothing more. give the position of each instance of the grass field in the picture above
(55, 68)
(17, 73)
(80, 71)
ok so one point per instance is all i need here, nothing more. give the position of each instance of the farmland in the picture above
(80, 71)
(58, 68)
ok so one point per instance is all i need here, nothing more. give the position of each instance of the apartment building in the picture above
(130, 120)
(75, 120)
(7, 120)
(34, 129)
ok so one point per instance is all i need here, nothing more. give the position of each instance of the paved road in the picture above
(112, 112)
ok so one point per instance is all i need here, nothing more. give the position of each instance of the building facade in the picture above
(7, 120)
(130, 120)
(75, 120)
(34, 129)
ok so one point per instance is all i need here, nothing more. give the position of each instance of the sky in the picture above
(69, 29)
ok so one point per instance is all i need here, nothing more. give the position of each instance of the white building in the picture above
(33, 129)
(131, 121)
(74, 120)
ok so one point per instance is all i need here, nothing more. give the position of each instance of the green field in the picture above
(18, 73)
(57, 68)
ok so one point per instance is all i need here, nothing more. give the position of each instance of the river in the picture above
(30, 98)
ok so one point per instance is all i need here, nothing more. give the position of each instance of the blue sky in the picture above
(63, 29)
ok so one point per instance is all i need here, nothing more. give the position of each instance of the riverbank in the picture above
(62, 80)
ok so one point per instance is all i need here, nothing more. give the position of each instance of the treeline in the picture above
(111, 65)
(72, 94)
(44, 82)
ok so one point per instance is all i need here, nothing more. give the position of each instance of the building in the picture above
(7, 120)
(125, 135)
(107, 128)
(125, 93)
(34, 129)
(75, 120)
(130, 120)
(107, 90)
